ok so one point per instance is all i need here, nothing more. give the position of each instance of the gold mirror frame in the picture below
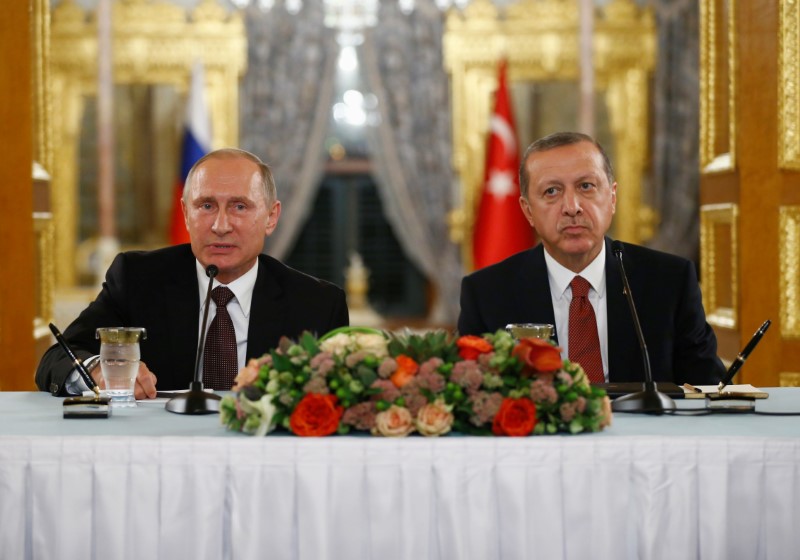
(719, 263)
(717, 86)
(788, 97)
(154, 43)
(539, 38)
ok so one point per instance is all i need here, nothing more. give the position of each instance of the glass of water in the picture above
(530, 330)
(119, 362)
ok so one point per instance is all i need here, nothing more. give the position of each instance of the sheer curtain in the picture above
(411, 148)
(676, 141)
(286, 99)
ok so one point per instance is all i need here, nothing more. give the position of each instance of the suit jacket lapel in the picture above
(183, 301)
(268, 311)
(534, 287)
(620, 322)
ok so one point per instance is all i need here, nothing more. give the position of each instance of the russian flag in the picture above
(196, 144)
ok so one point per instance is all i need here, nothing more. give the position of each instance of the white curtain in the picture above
(286, 99)
(411, 148)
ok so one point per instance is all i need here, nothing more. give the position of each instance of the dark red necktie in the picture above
(584, 344)
(220, 359)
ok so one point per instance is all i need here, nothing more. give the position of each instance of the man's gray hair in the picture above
(267, 180)
(556, 140)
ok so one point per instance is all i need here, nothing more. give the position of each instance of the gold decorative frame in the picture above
(789, 87)
(719, 263)
(154, 43)
(539, 38)
(713, 125)
(789, 256)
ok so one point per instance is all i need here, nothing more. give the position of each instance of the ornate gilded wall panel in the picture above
(789, 86)
(789, 256)
(154, 43)
(717, 86)
(719, 263)
(539, 38)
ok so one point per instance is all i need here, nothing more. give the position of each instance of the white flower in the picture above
(337, 345)
(374, 344)
(264, 409)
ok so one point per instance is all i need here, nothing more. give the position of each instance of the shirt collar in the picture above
(242, 287)
(560, 276)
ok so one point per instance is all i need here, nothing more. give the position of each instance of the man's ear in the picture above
(274, 216)
(526, 209)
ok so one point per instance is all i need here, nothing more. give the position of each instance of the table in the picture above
(149, 484)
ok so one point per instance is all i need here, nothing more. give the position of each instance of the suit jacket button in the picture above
(54, 388)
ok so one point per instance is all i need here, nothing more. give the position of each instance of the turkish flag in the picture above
(196, 144)
(500, 227)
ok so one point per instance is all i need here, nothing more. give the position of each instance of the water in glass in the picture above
(119, 363)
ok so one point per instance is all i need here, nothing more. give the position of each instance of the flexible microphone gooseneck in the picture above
(649, 399)
(196, 400)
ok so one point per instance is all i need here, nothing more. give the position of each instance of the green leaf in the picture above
(309, 343)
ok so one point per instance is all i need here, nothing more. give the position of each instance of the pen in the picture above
(737, 363)
(692, 388)
(87, 377)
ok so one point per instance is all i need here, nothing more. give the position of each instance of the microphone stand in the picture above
(197, 400)
(649, 399)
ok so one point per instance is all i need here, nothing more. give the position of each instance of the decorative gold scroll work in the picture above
(539, 38)
(789, 256)
(789, 87)
(154, 43)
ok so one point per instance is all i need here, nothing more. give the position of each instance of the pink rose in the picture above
(434, 419)
(249, 373)
(396, 421)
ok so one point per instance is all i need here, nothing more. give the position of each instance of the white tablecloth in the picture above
(612, 495)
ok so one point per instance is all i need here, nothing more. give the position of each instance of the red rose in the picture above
(470, 347)
(316, 415)
(516, 417)
(407, 368)
(538, 355)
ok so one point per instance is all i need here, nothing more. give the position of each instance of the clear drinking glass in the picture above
(530, 330)
(119, 362)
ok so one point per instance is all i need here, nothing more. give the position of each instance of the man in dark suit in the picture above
(230, 205)
(568, 194)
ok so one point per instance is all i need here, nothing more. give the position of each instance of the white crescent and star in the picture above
(502, 182)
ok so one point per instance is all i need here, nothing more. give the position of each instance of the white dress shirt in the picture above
(561, 294)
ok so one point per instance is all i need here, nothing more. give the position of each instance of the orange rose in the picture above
(316, 415)
(516, 417)
(538, 355)
(406, 370)
(470, 347)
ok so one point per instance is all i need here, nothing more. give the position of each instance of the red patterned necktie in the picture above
(220, 358)
(584, 344)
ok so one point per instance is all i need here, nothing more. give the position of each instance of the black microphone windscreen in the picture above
(212, 270)
(616, 246)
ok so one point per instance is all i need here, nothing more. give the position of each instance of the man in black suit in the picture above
(568, 194)
(229, 204)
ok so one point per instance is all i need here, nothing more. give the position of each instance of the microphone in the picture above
(649, 399)
(197, 400)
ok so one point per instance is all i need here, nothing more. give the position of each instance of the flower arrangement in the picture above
(394, 385)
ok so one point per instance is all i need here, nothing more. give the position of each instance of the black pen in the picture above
(87, 377)
(737, 363)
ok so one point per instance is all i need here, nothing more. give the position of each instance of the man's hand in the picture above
(145, 383)
(145, 387)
